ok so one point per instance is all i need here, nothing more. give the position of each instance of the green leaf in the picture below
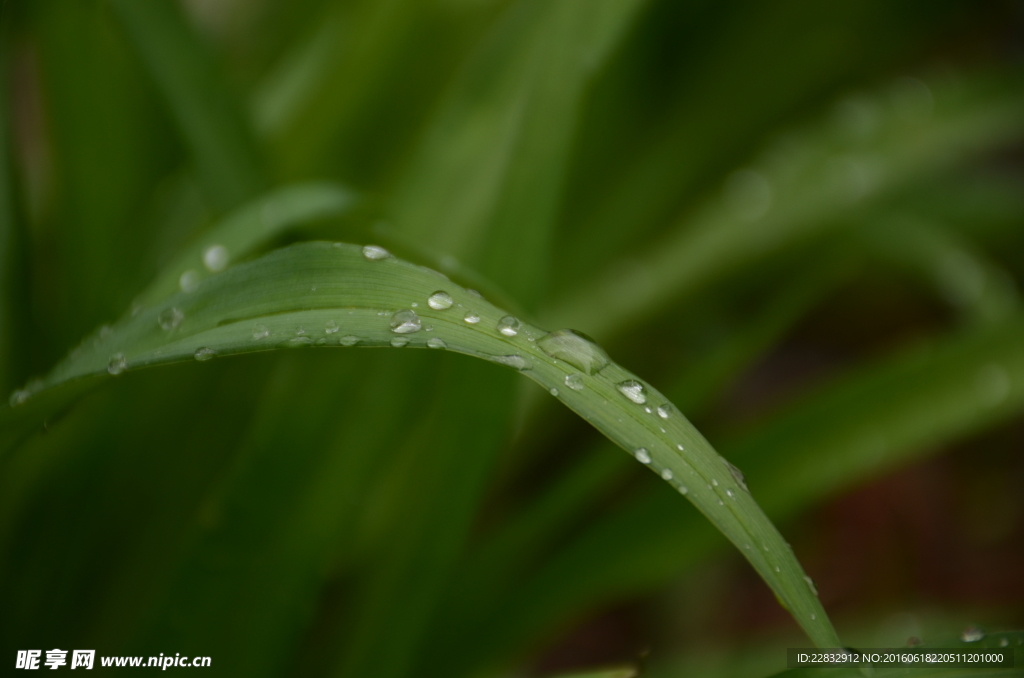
(319, 294)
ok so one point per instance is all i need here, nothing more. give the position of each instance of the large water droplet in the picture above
(189, 281)
(215, 258)
(375, 253)
(349, 340)
(574, 381)
(440, 300)
(170, 318)
(516, 361)
(972, 634)
(642, 456)
(331, 327)
(117, 364)
(471, 318)
(399, 342)
(736, 474)
(575, 348)
(509, 326)
(203, 354)
(634, 390)
(436, 342)
(260, 331)
(405, 322)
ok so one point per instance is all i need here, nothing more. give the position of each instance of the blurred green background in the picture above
(803, 221)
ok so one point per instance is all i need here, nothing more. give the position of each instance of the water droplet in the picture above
(1004, 642)
(714, 482)
(972, 634)
(778, 569)
(331, 327)
(440, 300)
(575, 348)
(215, 258)
(260, 331)
(349, 340)
(813, 616)
(509, 326)
(298, 342)
(680, 448)
(375, 253)
(684, 489)
(737, 475)
(730, 494)
(471, 318)
(203, 354)
(189, 281)
(666, 474)
(436, 342)
(321, 341)
(642, 456)
(117, 364)
(721, 503)
(665, 411)
(810, 584)
(647, 410)
(405, 322)
(18, 397)
(574, 381)
(475, 294)
(170, 318)
(634, 390)
(516, 361)
(553, 391)
(399, 342)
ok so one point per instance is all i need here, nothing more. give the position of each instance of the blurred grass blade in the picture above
(809, 182)
(322, 294)
(210, 120)
(246, 230)
(485, 184)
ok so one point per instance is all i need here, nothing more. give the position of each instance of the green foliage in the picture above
(703, 187)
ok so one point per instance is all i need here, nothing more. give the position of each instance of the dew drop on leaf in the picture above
(440, 300)
(666, 474)
(642, 456)
(515, 361)
(575, 348)
(260, 331)
(436, 342)
(117, 364)
(189, 281)
(972, 634)
(375, 253)
(399, 342)
(509, 326)
(203, 354)
(634, 390)
(331, 327)
(574, 381)
(471, 318)
(405, 322)
(215, 258)
(169, 318)
(350, 340)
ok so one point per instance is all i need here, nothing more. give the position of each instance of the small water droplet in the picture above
(972, 634)
(471, 318)
(574, 381)
(436, 342)
(666, 474)
(553, 391)
(575, 348)
(299, 342)
(1004, 642)
(331, 327)
(680, 448)
(684, 489)
(509, 326)
(260, 331)
(475, 294)
(721, 503)
(18, 397)
(664, 411)
(642, 456)
(515, 361)
(189, 281)
(440, 300)
(321, 341)
(399, 342)
(714, 482)
(215, 258)
(203, 354)
(647, 410)
(810, 584)
(375, 253)
(778, 569)
(170, 318)
(300, 331)
(349, 340)
(729, 493)
(813, 616)
(405, 322)
(633, 390)
(117, 364)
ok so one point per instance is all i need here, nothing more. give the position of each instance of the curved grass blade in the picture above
(318, 294)
(245, 230)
